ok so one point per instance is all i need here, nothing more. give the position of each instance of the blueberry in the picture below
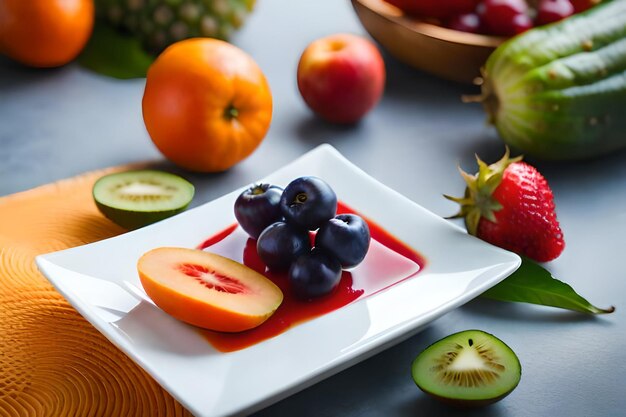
(280, 244)
(258, 207)
(314, 274)
(347, 237)
(308, 202)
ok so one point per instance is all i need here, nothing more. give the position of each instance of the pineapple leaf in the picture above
(114, 54)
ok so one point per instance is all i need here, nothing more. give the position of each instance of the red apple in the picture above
(341, 77)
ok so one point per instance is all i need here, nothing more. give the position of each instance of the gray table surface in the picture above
(58, 123)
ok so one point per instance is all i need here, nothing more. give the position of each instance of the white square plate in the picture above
(100, 280)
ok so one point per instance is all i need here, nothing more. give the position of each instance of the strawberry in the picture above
(510, 204)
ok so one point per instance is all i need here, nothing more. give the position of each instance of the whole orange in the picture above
(206, 105)
(45, 33)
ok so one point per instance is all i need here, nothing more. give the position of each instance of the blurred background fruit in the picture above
(492, 17)
(159, 23)
(45, 33)
(582, 5)
(206, 104)
(440, 9)
(447, 53)
(550, 11)
(456, 45)
(569, 104)
(504, 17)
(341, 77)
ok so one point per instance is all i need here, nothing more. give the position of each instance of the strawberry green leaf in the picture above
(533, 284)
(114, 54)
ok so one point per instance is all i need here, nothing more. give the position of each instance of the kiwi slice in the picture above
(470, 368)
(134, 199)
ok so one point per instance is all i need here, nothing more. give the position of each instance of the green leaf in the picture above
(115, 54)
(533, 284)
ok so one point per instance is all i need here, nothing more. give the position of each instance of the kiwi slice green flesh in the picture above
(134, 199)
(470, 368)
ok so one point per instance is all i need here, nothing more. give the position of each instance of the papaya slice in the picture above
(207, 290)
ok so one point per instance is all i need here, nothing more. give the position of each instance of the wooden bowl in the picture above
(444, 52)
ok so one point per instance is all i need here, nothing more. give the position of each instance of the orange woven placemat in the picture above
(52, 361)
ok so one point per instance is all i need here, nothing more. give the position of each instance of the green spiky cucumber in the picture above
(159, 23)
(559, 91)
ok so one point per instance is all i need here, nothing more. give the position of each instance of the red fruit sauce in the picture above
(387, 262)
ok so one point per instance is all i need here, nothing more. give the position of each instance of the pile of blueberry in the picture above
(281, 220)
